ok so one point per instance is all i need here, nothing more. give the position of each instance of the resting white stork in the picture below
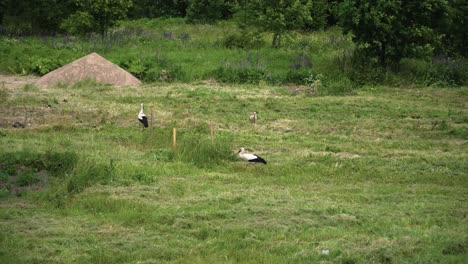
(251, 158)
(142, 117)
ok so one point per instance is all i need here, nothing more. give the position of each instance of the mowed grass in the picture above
(377, 177)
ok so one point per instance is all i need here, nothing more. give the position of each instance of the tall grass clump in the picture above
(300, 68)
(249, 69)
(55, 163)
(324, 85)
(198, 150)
(87, 173)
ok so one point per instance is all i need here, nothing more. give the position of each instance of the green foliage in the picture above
(244, 39)
(196, 52)
(209, 11)
(88, 173)
(56, 163)
(198, 150)
(277, 17)
(153, 68)
(60, 163)
(387, 31)
(158, 8)
(26, 178)
(319, 11)
(105, 13)
(250, 69)
(449, 74)
(300, 68)
(298, 76)
(334, 86)
(78, 23)
(32, 16)
(43, 66)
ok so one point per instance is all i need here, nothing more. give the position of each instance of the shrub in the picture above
(205, 11)
(43, 66)
(243, 40)
(78, 23)
(447, 74)
(153, 68)
(298, 76)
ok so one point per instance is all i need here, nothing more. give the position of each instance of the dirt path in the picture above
(17, 80)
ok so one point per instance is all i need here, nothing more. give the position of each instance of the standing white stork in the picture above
(251, 158)
(142, 117)
(253, 117)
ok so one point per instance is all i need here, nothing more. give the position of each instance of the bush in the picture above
(447, 74)
(43, 66)
(153, 68)
(208, 11)
(78, 23)
(243, 40)
(298, 76)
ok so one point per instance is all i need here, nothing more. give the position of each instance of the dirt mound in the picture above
(93, 67)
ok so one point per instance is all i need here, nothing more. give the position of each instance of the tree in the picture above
(33, 16)
(277, 17)
(105, 13)
(318, 15)
(389, 30)
(209, 11)
(454, 29)
(158, 8)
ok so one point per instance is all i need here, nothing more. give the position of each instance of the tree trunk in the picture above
(276, 40)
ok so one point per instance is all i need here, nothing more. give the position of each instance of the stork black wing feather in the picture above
(144, 121)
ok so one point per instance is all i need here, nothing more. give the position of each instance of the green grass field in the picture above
(380, 176)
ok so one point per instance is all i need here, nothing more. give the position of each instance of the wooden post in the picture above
(211, 134)
(152, 124)
(174, 137)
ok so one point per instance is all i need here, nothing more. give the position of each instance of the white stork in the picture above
(142, 117)
(253, 117)
(251, 158)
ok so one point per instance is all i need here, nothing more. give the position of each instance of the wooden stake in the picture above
(152, 124)
(174, 137)
(211, 133)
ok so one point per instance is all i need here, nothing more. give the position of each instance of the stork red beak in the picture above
(238, 152)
